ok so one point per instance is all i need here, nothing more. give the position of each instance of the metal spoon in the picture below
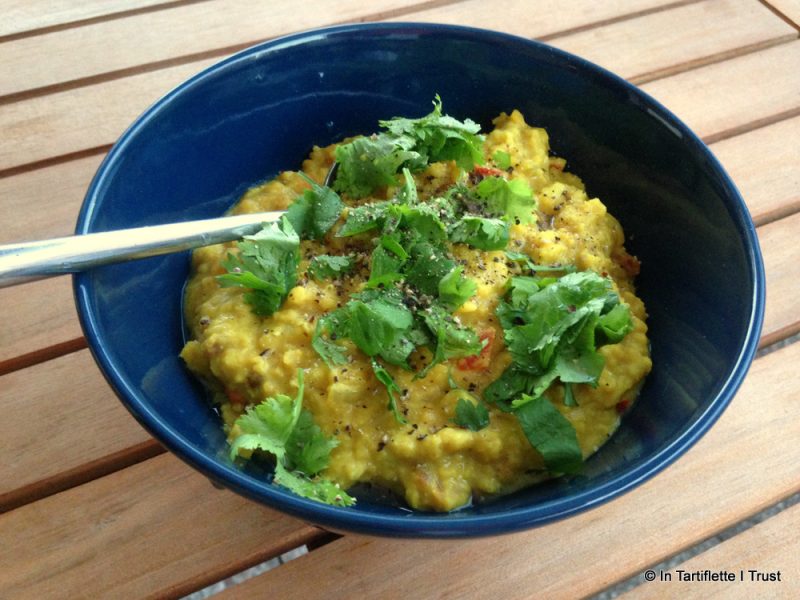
(29, 261)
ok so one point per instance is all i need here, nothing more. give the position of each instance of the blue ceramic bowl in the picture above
(196, 150)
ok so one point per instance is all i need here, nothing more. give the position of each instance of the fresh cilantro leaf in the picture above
(326, 266)
(281, 427)
(368, 163)
(502, 160)
(308, 450)
(451, 339)
(391, 389)
(428, 265)
(551, 329)
(455, 289)
(614, 325)
(511, 200)
(377, 323)
(422, 220)
(363, 218)
(569, 395)
(266, 264)
(551, 434)
(314, 213)
(480, 232)
(471, 416)
(438, 137)
(321, 490)
(526, 263)
(329, 328)
(407, 194)
(387, 261)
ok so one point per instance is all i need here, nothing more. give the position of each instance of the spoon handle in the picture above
(36, 260)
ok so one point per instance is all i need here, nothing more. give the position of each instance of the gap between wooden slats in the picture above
(789, 10)
(105, 109)
(66, 427)
(149, 516)
(23, 18)
(156, 529)
(768, 547)
(175, 35)
(40, 316)
(181, 34)
(568, 559)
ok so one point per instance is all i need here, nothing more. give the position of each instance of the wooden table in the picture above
(93, 507)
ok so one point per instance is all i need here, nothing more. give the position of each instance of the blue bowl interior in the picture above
(194, 153)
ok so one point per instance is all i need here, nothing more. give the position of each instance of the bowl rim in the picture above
(422, 524)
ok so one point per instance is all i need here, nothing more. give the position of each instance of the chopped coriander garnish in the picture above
(551, 434)
(281, 427)
(481, 233)
(368, 163)
(511, 200)
(391, 389)
(472, 416)
(455, 289)
(551, 330)
(326, 266)
(502, 160)
(526, 263)
(313, 214)
(266, 264)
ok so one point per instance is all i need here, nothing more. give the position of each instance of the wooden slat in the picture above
(41, 322)
(547, 18)
(52, 413)
(765, 165)
(21, 16)
(54, 194)
(769, 547)
(156, 529)
(779, 244)
(589, 552)
(790, 9)
(670, 41)
(72, 121)
(737, 95)
(164, 35)
(93, 116)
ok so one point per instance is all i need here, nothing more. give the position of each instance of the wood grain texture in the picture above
(547, 18)
(93, 116)
(38, 316)
(774, 542)
(54, 194)
(52, 413)
(790, 9)
(75, 120)
(164, 35)
(718, 482)
(670, 41)
(27, 15)
(736, 95)
(779, 244)
(765, 165)
(156, 529)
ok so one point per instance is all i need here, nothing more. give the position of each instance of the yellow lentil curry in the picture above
(420, 445)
